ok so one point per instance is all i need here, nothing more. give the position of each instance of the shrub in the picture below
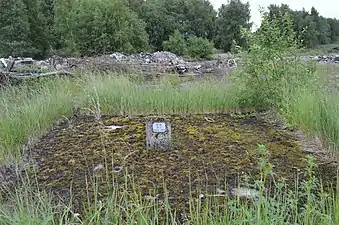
(270, 73)
(193, 46)
(198, 47)
(176, 43)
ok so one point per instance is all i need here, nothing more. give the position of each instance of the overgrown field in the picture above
(277, 158)
(32, 108)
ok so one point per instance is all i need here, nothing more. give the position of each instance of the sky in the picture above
(326, 8)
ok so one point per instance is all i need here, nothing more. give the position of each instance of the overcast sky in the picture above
(326, 8)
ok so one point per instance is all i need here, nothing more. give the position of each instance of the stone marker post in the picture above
(158, 134)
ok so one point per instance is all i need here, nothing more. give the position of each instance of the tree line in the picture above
(38, 28)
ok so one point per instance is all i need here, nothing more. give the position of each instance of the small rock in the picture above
(58, 66)
(117, 169)
(98, 167)
(197, 67)
(149, 197)
(41, 64)
(220, 191)
(118, 56)
(336, 59)
(181, 68)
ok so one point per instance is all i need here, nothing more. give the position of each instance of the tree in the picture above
(324, 31)
(322, 27)
(308, 34)
(334, 29)
(100, 26)
(14, 29)
(200, 18)
(311, 28)
(64, 11)
(160, 24)
(163, 17)
(39, 34)
(231, 19)
(136, 5)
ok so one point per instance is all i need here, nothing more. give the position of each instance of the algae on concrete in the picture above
(207, 151)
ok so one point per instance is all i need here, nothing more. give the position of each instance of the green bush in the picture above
(193, 46)
(270, 73)
(176, 43)
(198, 47)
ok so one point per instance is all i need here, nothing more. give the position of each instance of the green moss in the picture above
(205, 152)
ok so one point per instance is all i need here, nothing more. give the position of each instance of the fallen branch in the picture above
(7, 77)
(37, 75)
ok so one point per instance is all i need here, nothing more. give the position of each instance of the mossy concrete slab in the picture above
(207, 150)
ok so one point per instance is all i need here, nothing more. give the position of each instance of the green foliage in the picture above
(269, 71)
(193, 46)
(82, 27)
(23, 29)
(311, 28)
(198, 47)
(163, 17)
(100, 26)
(39, 34)
(176, 43)
(63, 10)
(232, 18)
(160, 24)
(14, 29)
(199, 18)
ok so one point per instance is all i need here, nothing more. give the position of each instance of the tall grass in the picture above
(314, 109)
(280, 205)
(288, 86)
(28, 109)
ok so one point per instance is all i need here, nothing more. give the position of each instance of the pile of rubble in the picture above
(156, 63)
(152, 63)
(18, 69)
(327, 58)
(147, 63)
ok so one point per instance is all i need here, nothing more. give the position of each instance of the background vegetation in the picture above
(38, 28)
(299, 91)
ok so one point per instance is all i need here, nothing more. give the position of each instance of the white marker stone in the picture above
(158, 134)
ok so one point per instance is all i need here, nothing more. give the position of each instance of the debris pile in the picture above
(327, 58)
(156, 63)
(18, 69)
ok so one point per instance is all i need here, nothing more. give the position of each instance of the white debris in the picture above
(3, 62)
(149, 197)
(197, 67)
(112, 127)
(118, 56)
(98, 167)
(220, 191)
(245, 192)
